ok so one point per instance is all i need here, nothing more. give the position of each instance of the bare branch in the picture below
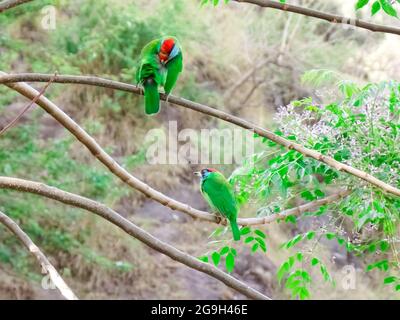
(8, 4)
(296, 210)
(35, 251)
(332, 18)
(130, 228)
(60, 116)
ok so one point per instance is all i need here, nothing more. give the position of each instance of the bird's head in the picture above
(205, 172)
(168, 50)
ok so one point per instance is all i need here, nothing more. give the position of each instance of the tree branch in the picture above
(295, 211)
(130, 228)
(332, 18)
(55, 277)
(8, 4)
(105, 158)
(30, 104)
(60, 116)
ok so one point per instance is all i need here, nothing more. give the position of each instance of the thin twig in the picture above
(296, 210)
(33, 101)
(332, 18)
(55, 277)
(130, 228)
(60, 116)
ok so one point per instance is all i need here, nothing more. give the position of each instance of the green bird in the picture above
(219, 194)
(161, 62)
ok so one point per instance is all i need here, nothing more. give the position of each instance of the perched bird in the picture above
(161, 62)
(220, 196)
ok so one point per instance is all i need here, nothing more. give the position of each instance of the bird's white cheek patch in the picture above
(174, 52)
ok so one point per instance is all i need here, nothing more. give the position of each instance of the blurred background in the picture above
(239, 58)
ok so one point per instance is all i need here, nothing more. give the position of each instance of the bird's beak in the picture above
(197, 173)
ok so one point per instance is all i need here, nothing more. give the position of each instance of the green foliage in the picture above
(227, 253)
(255, 239)
(360, 129)
(386, 5)
(297, 281)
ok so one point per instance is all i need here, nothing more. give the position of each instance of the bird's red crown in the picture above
(167, 45)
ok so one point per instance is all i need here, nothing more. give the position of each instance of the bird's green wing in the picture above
(219, 193)
(174, 68)
(149, 65)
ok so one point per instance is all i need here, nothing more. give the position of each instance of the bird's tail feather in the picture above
(235, 230)
(151, 96)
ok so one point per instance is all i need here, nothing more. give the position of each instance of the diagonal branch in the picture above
(60, 116)
(30, 104)
(332, 18)
(35, 251)
(130, 228)
(8, 4)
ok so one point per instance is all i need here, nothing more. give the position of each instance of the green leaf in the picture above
(248, 239)
(361, 3)
(245, 231)
(304, 293)
(293, 241)
(262, 244)
(381, 265)
(340, 241)
(216, 257)
(310, 235)
(314, 261)
(224, 251)
(260, 241)
(372, 247)
(291, 219)
(307, 195)
(330, 235)
(255, 247)
(291, 262)
(284, 268)
(375, 8)
(204, 259)
(325, 273)
(388, 8)
(230, 262)
(384, 245)
(299, 256)
(389, 280)
(260, 233)
(306, 276)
